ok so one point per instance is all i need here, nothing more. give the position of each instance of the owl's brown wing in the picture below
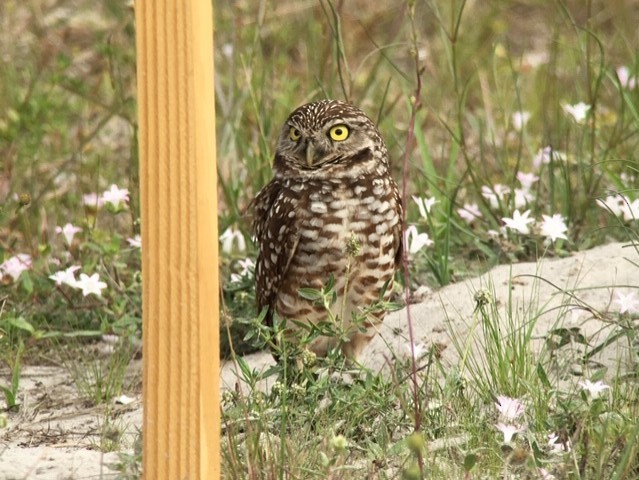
(275, 229)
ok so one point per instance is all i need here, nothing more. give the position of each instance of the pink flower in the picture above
(495, 195)
(15, 265)
(469, 212)
(545, 155)
(68, 231)
(523, 197)
(527, 180)
(509, 431)
(135, 242)
(509, 408)
(520, 119)
(92, 200)
(625, 79)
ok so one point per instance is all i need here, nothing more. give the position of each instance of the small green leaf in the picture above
(21, 323)
(330, 284)
(309, 294)
(469, 461)
(27, 283)
(9, 397)
(245, 369)
(541, 373)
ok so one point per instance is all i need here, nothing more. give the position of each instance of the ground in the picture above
(54, 435)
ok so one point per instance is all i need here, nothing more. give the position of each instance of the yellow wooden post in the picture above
(179, 239)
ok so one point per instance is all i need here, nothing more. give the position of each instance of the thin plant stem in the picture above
(410, 141)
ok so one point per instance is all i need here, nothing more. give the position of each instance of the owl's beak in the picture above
(310, 154)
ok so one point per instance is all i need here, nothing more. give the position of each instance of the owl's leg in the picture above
(358, 341)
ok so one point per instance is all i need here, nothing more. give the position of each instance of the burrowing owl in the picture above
(332, 208)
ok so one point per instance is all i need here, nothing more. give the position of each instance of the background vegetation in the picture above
(490, 110)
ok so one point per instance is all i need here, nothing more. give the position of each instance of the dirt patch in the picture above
(56, 434)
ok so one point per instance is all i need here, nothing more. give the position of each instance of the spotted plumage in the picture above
(332, 208)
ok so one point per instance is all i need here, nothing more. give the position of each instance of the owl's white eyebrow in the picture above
(338, 121)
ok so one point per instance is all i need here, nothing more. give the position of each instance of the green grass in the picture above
(442, 79)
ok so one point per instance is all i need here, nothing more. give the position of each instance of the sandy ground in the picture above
(55, 435)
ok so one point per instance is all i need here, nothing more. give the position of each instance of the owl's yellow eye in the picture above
(339, 133)
(294, 134)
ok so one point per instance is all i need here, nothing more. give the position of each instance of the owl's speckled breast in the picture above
(347, 230)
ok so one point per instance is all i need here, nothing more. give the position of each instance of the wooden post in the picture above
(179, 239)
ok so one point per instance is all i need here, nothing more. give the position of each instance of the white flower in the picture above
(519, 221)
(115, 196)
(68, 231)
(124, 400)
(416, 241)
(230, 236)
(509, 408)
(65, 276)
(545, 155)
(247, 265)
(135, 242)
(523, 197)
(509, 431)
(418, 348)
(531, 60)
(630, 210)
(227, 50)
(613, 203)
(626, 81)
(554, 227)
(627, 302)
(578, 111)
(469, 212)
(527, 179)
(546, 475)
(92, 200)
(556, 445)
(520, 119)
(424, 205)
(14, 266)
(90, 284)
(627, 178)
(110, 338)
(494, 195)
(594, 389)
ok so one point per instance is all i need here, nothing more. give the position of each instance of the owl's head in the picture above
(320, 134)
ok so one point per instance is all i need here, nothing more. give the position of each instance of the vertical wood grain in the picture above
(179, 239)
